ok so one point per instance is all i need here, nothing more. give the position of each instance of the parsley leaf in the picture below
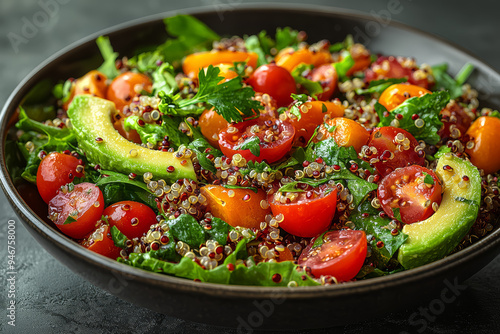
(252, 144)
(108, 68)
(428, 179)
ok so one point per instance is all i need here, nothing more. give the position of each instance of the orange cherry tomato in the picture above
(194, 62)
(290, 58)
(92, 83)
(126, 86)
(55, 170)
(310, 214)
(485, 154)
(345, 132)
(362, 58)
(315, 115)
(396, 94)
(211, 123)
(101, 242)
(237, 207)
(341, 254)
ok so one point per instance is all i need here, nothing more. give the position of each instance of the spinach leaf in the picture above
(198, 146)
(427, 107)
(187, 229)
(118, 187)
(453, 85)
(219, 231)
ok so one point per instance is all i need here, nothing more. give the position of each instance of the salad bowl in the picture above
(250, 307)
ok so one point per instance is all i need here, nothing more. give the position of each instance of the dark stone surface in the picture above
(52, 299)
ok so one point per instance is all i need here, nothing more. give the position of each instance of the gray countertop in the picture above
(52, 299)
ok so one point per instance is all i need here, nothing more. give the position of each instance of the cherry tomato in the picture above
(126, 86)
(275, 139)
(133, 219)
(76, 212)
(101, 242)
(211, 123)
(289, 58)
(413, 190)
(392, 67)
(194, 62)
(275, 81)
(131, 135)
(362, 58)
(341, 254)
(237, 207)
(345, 132)
(92, 83)
(313, 114)
(390, 148)
(56, 170)
(309, 214)
(485, 154)
(396, 94)
(455, 120)
(327, 77)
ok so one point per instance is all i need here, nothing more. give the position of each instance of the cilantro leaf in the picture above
(108, 67)
(427, 107)
(252, 144)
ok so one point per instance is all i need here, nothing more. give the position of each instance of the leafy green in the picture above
(441, 151)
(344, 45)
(219, 231)
(286, 37)
(359, 188)
(118, 187)
(252, 43)
(427, 107)
(164, 79)
(453, 85)
(198, 146)
(119, 239)
(146, 61)
(108, 67)
(428, 179)
(190, 35)
(264, 45)
(69, 220)
(187, 229)
(377, 227)
(378, 86)
(313, 87)
(229, 98)
(343, 66)
(252, 144)
(62, 91)
(154, 133)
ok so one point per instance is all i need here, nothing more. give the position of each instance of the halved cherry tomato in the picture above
(309, 214)
(55, 170)
(211, 123)
(101, 242)
(413, 190)
(392, 67)
(275, 139)
(237, 207)
(341, 254)
(194, 62)
(133, 219)
(76, 211)
(275, 81)
(289, 58)
(327, 77)
(390, 148)
(486, 151)
(345, 132)
(92, 83)
(455, 120)
(313, 114)
(396, 94)
(126, 86)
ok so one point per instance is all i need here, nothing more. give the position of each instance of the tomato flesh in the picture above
(55, 170)
(275, 139)
(391, 67)
(389, 148)
(327, 77)
(76, 212)
(341, 254)
(275, 81)
(133, 219)
(308, 215)
(413, 190)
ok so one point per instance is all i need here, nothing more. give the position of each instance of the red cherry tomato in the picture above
(126, 86)
(310, 214)
(455, 120)
(275, 139)
(392, 67)
(341, 255)
(54, 171)
(275, 81)
(76, 212)
(101, 242)
(133, 219)
(413, 190)
(390, 148)
(327, 77)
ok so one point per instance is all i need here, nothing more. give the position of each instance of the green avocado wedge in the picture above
(91, 122)
(435, 237)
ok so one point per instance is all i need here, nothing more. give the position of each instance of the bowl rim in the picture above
(229, 291)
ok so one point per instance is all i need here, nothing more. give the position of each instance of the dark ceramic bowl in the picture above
(249, 307)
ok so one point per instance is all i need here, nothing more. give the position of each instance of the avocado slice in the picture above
(435, 237)
(91, 121)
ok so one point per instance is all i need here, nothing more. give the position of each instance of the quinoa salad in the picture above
(263, 159)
